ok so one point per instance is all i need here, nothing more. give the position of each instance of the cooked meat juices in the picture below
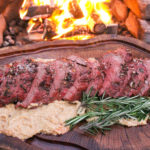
(29, 82)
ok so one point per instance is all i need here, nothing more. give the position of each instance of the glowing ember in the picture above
(70, 14)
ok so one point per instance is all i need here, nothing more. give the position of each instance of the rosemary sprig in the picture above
(105, 112)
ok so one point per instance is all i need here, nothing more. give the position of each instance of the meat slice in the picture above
(115, 71)
(63, 78)
(27, 76)
(17, 80)
(138, 75)
(96, 76)
(1, 81)
(146, 87)
(82, 79)
(39, 91)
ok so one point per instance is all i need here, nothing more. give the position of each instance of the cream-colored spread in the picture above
(133, 122)
(48, 119)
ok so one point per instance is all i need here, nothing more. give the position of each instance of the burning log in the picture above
(141, 8)
(67, 22)
(99, 28)
(75, 9)
(78, 30)
(34, 37)
(37, 27)
(39, 12)
(95, 17)
(49, 29)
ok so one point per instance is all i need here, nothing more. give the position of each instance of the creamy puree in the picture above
(133, 122)
(48, 119)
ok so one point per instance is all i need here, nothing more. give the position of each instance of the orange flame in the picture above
(66, 16)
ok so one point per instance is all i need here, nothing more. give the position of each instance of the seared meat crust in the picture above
(30, 82)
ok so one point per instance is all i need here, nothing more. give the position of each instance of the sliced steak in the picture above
(39, 91)
(146, 87)
(63, 78)
(115, 71)
(2, 79)
(138, 75)
(82, 79)
(17, 81)
(96, 76)
(112, 68)
(33, 82)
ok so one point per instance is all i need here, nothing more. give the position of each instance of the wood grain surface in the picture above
(119, 138)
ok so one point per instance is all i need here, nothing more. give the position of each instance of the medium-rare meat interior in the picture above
(16, 81)
(31, 82)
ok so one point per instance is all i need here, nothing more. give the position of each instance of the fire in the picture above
(27, 3)
(71, 14)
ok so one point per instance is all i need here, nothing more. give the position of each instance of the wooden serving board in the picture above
(119, 137)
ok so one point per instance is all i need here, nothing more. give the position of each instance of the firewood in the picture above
(39, 12)
(49, 29)
(67, 23)
(2, 28)
(112, 29)
(133, 25)
(11, 10)
(99, 28)
(3, 5)
(79, 30)
(33, 37)
(141, 8)
(119, 10)
(75, 9)
(37, 26)
(145, 34)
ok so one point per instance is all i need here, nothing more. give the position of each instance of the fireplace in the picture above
(29, 21)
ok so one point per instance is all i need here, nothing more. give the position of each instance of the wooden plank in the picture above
(119, 138)
(141, 8)
(10, 143)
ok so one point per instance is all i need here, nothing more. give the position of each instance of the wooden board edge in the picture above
(61, 43)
